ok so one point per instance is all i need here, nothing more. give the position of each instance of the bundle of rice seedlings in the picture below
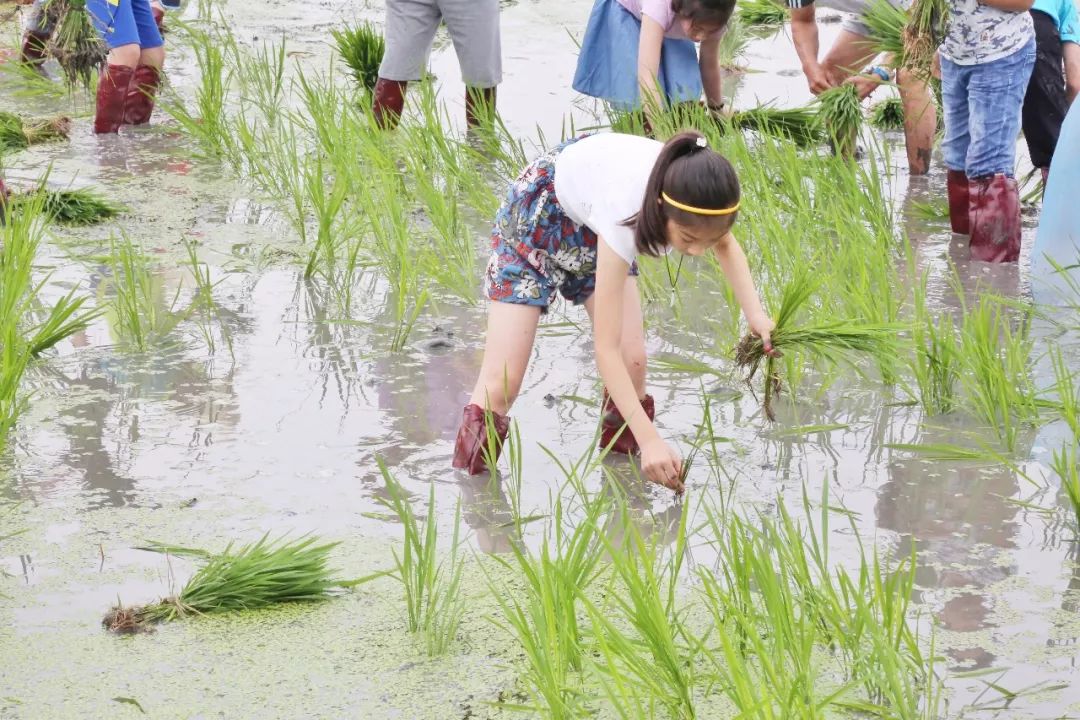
(75, 44)
(888, 114)
(762, 12)
(835, 341)
(800, 125)
(362, 48)
(17, 134)
(254, 576)
(923, 34)
(886, 23)
(74, 207)
(840, 117)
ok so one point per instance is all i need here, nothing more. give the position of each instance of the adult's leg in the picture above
(995, 96)
(410, 30)
(954, 97)
(847, 56)
(920, 121)
(474, 28)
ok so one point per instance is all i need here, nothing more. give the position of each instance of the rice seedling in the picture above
(75, 43)
(203, 305)
(141, 316)
(767, 13)
(936, 363)
(76, 207)
(207, 123)
(932, 209)
(840, 115)
(1065, 466)
(924, 33)
(362, 48)
(886, 23)
(17, 133)
(1067, 400)
(432, 587)
(797, 124)
(888, 114)
(734, 43)
(834, 341)
(249, 577)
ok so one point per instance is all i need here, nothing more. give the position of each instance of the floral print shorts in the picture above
(535, 248)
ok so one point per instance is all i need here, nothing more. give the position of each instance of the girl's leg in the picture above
(920, 121)
(143, 89)
(511, 331)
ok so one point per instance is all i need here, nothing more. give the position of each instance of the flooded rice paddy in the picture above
(268, 410)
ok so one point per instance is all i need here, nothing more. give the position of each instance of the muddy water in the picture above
(281, 435)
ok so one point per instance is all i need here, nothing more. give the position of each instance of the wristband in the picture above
(879, 71)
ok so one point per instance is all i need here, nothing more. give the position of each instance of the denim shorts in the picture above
(535, 248)
(125, 22)
(982, 112)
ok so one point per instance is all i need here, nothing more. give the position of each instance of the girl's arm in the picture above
(648, 68)
(804, 31)
(737, 271)
(712, 75)
(661, 464)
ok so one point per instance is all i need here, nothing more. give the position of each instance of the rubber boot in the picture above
(479, 106)
(34, 50)
(995, 219)
(3, 202)
(958, 202)
(112, 98)
(471, 447)
(141, 94)
(388, 102)
(612, 421)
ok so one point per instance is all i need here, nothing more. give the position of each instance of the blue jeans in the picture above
(982, 112)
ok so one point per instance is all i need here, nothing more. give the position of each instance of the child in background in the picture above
(36, 38)
(1050, 92)
(986, 61)
(128, 85)
(574, 222)
(410, 30)
(641, 54)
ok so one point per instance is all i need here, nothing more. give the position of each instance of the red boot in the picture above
(471, 447)
(389, 102)
(141, 94)
(958, 202)
(612, 421)
(34, 49)
(112, 98)
(479, 106)
(3, 202)
(995, 219)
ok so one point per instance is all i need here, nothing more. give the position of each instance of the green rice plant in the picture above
(1067, 400)
(931, 209)
(768, 13)
(203, 305)
(734, 43)
(840, 116)
(888, 114)
(834, 341)
(17, 133)
(250, 577)
(886, 23)
(140, 315)
(207, 121)
(1065, 466)
(75, 207)
(362, 48)
(75, 43)
(546, 622)
(432, 588)
(924, 33)
(659, 657)
(936, 362)
(800, 125)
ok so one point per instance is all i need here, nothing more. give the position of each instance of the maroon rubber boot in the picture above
(141, 94)
(34, 50)
(479, 106)
(112, 94)
(3, 202)
(388, 102)
(995, 219)
(471, 446)
(958, 202)
(612, 422)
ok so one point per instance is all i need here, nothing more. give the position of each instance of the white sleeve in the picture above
(617, 236)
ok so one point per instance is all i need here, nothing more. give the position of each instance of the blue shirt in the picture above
(1064, 14)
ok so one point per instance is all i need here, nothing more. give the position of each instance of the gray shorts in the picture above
(473, 26)
(853, 22)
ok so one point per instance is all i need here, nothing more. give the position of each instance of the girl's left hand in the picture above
(762, 326)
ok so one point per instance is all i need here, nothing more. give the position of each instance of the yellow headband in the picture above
(698, 211)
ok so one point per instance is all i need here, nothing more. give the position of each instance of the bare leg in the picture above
(848, 55)
(154, 57)
(920, 121)
(633, 335)
(511, 331)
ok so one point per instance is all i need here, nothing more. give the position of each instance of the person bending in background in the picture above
(985, 64)
(410, 31)
(35, 40)
(1051, 91)
(849, 52)
(641, 54)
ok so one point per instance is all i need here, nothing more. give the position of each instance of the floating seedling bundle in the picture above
(362, 48)
(840, 116)
(799, 125)
(762, 12)
(75, 44)
(71, 207)
(251, 577)
(832, 341)
(17, 133)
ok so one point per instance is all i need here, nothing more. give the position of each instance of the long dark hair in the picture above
(692, 174)
(705, 12)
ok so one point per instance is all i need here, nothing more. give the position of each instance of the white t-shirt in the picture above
(600, 182)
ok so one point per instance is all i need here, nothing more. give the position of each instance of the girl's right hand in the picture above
(662, 464)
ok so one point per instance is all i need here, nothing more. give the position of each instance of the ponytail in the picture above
(694, 176)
